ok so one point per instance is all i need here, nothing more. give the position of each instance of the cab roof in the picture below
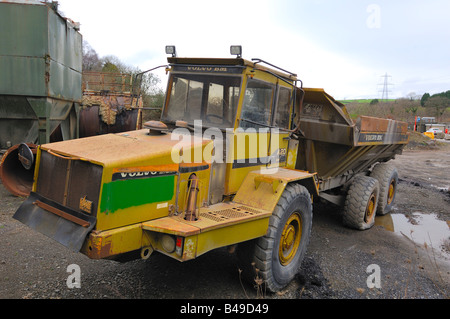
(255, 63)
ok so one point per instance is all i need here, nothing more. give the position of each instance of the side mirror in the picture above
(26, 156)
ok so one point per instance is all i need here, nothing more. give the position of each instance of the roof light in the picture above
(170, 49)
(236, 50)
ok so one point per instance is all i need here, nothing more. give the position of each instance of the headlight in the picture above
(236, 50)
(168, 243)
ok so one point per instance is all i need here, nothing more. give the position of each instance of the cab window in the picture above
(282, 112)
(257, 105)
(210, 98)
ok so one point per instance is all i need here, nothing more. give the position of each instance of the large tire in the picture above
(277, 257)
(387, 176)
(361, 203)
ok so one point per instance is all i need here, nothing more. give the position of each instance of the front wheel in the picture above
(278, 255)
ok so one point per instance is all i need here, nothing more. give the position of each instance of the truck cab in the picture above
(245, 108)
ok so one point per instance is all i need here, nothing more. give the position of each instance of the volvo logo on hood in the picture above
(136, 175)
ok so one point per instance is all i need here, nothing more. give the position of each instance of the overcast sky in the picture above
(343, 46)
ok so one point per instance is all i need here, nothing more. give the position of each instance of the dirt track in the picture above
(35, 267)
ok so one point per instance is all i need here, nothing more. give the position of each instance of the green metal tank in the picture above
(41, 71)
(40, 83)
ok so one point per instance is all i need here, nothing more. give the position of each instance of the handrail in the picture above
(274, 66)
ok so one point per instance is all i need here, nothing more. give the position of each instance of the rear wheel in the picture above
(278, 255)
(387, 176)
(361, 203)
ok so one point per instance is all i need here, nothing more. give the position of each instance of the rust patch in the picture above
(190, 249)
(373, 124)
(98, 247)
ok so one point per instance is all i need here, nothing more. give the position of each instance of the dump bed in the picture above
(338, 148)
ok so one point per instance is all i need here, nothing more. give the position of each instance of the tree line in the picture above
(406, 108)
(439, 102)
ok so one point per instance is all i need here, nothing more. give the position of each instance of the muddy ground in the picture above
(35, 267)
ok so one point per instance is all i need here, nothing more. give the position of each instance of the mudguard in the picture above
(66, 226)
(262, 189)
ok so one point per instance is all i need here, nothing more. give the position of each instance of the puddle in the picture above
(420, 228)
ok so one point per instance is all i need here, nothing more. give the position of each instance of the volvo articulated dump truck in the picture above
(241, 153)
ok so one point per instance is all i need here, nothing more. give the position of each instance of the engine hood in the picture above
(134, 148)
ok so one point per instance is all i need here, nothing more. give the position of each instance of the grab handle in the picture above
(74, 158)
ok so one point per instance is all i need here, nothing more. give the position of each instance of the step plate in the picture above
(212, 217)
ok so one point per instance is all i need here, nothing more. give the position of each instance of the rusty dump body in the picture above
(147, 190)
(338, 148)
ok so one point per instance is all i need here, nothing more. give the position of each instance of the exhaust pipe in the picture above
(191, 210)
(17, 169)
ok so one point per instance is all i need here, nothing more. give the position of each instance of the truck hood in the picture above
(130, 147)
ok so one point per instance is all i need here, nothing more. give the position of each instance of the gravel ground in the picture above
(35, 267)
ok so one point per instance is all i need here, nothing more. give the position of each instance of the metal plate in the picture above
(53, 226)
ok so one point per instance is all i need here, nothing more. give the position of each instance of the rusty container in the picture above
(111, 103)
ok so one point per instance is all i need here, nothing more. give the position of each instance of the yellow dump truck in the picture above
(240, 155)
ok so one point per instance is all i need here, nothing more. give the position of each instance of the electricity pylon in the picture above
(386, 91)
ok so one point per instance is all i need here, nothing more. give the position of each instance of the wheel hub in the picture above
(391, 192)
(290, 239)
(370, 210)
